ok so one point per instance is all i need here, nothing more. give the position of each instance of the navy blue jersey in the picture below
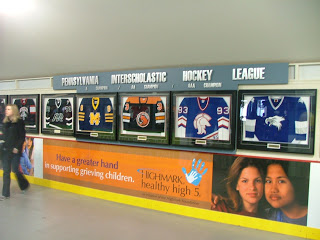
(95, 114)
(59, 113)
(204, 117)
(27, 109)
(276, 119)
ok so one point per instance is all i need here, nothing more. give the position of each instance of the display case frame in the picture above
(28, 106)
(90, 123)
(144, 117)
(3, 103)
(204, 119)
(58, 114)
(277, 120)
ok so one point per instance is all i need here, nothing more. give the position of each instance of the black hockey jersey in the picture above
(95, 114)
(59, 113)
(27, 109)
(146, 114)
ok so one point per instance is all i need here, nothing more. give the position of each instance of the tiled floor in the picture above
(44, 213)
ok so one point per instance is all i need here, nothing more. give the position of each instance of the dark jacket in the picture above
(13, 135)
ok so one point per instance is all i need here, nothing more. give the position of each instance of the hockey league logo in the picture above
(200, 122)
(143, 119)
(275, 121)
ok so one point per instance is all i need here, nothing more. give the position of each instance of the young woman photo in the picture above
(245, 188)
(286, 192)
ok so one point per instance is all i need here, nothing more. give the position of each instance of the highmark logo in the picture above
(154, 174)
(194, 176)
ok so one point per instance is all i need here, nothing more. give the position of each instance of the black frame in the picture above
(3, 103)
(302, 99)
(144, 134)
(53, 129)
(30, 128)
(220, 127)
(110, 109)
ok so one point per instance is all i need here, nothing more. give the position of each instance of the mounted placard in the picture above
(28, 106)
(96, 116)
(58, 114)
(277, 120)
(203, 78)
(144, 117)
(204, 119)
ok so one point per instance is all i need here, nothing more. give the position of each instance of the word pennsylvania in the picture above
(80, 81)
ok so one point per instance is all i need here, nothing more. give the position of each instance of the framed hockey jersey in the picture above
(3, 103)
(28, 106)
(277, 120)
(96, 116)
(204, 119)
(58, 114)
(144, 117)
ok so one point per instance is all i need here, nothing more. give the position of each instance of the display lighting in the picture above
(16, 7)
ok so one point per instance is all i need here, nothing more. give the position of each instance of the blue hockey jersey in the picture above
(95, 114)
(204, 117)
(276, 119)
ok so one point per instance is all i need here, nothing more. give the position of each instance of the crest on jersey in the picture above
(143, 119)
(24, 112)
(23, 101)
(202, 121)
(95, 102)
(58, 102)
(275, 121)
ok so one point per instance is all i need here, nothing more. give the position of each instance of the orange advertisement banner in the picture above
(166, 175)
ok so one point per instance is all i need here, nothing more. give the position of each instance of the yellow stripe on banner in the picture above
(227, 218)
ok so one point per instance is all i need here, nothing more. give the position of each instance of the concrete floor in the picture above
(44, 213)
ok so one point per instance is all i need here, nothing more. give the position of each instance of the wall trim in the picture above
(227, 218)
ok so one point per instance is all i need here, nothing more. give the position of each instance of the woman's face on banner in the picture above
(250, 185)
(279, 190)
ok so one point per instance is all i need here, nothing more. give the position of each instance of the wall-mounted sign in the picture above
(175, 79)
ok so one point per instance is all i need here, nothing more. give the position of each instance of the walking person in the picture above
(13, 135)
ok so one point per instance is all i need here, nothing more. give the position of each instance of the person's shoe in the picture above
(2, 198)
(25, 190)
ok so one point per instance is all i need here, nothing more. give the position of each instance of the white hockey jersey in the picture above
(204, 117)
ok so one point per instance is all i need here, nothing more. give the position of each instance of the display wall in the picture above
(177, 165)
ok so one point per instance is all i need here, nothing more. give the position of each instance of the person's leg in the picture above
(22, 181)
(6, 162)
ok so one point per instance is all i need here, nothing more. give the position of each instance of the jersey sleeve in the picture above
(67, 112)
(126, 115)
(182, 118)
(250, 122)
(160, 112)
(81, 114)
(301, 121)
(223, 111)
(48, 112)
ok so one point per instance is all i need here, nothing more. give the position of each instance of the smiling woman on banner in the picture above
(286, 192)
(245, 187)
